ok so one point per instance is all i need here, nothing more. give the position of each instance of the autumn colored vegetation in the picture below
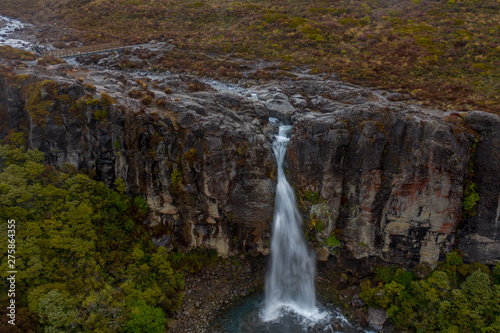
(445, 53)
(49, 60)
(85, 259)
(8, 52)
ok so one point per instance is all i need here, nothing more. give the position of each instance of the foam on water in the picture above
(247, 318)
(274, 311)
(290, 280)
(8, 27)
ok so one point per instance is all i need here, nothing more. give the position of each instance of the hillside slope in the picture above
(444, 53)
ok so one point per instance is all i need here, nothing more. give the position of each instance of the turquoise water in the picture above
(245, 318)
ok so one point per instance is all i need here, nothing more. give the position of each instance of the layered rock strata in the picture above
(387, 177)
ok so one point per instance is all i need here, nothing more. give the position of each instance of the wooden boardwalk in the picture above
(84, 50)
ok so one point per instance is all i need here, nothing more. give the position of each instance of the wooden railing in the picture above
(84, 50)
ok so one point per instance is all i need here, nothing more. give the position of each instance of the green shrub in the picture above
(318, 225)
(385, 274)
(145, 319)
(453, 258)
(312, 197)
(404, 277)
(496, 273)
(88, 262)
(332, 241)
(296, 21)
(471, 197)
(176, 180)
(443, 301)
(194, 260)
(191, 155)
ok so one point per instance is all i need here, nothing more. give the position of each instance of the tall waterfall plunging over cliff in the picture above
(290, 279)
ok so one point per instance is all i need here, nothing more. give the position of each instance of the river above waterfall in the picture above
(8, 27)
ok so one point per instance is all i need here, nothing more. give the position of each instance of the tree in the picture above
(56, 310)
(82, 253)
(145, 319)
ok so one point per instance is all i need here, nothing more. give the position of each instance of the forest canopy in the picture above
(85, 260)
(454, 297)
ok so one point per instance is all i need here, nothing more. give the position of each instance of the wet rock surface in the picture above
(479, 237)
(393, 179)
(213, 290)
(389, 175)
(202, 158)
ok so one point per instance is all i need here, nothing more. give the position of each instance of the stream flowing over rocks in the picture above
(388, 175)
(8, 28)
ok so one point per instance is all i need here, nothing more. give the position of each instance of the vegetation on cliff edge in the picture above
(444, 53)
(84, 258)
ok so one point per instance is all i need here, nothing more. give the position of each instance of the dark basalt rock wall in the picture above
(390, 175)
(479, 235)
(203, 160)
(393, 180)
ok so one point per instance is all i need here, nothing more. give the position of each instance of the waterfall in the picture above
(290, 278)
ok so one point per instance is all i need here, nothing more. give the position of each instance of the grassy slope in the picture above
(444, 53)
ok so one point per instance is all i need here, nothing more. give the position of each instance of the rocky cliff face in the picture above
(479, 235)
(202, 159)
(393, 180)
(385, 177)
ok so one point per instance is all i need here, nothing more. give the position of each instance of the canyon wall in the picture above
(386, 177)
(393, 180)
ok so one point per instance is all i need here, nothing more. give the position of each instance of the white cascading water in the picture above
(290, 278)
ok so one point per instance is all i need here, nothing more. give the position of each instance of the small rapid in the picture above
(8, 27)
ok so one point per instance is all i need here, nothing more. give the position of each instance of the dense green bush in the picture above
(455, 297)
(85, 261)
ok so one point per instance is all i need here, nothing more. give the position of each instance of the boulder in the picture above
(281, 109)
(377, 317)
